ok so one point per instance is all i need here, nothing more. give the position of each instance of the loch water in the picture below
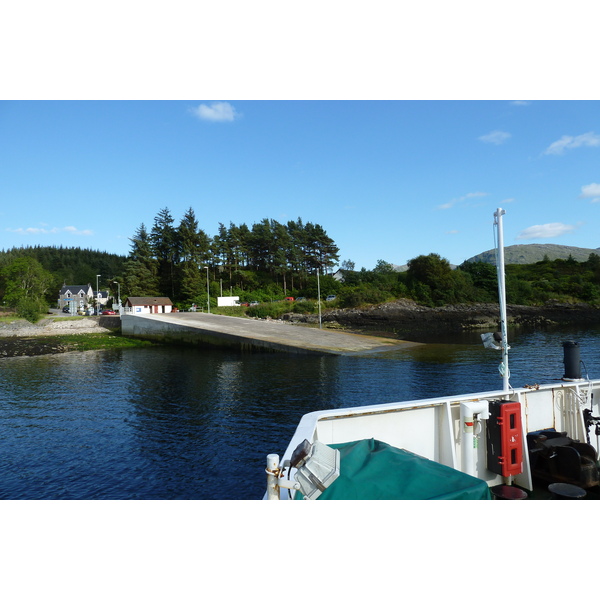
(185, 423)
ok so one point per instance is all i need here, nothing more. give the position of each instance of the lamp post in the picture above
(207, 291)
(97, 296)
(319, 297)
(118, 294)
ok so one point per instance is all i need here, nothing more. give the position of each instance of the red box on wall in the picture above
(505, 438)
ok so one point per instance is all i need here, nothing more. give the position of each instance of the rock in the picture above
(407, 315)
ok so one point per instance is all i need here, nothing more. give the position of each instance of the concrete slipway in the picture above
(236, 332)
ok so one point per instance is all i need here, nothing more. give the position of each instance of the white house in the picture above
(80, 295)
(148, 305)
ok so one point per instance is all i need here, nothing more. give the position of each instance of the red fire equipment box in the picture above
(504, 438)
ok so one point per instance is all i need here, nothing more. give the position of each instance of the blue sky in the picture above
(387, 180)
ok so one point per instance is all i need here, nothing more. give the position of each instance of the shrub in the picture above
(272, 310)
(31, 309)
(361, 295)
(305, 307)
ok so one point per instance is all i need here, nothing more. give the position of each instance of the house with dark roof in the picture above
(148, 305)
(82, 296)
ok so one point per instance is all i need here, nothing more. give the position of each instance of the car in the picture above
(330, 298)
(254, 303)
(289, 299)
(109, 312)
(66, 309)
(300, 299)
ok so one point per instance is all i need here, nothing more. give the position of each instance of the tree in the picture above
(24, 278)
(484, 278)
(194, 246)
(140, 271)
(165, 247)
(25, 284)
(430, 279)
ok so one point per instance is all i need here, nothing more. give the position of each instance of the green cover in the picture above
(374, 470)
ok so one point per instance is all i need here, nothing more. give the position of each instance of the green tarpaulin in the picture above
(374, 470)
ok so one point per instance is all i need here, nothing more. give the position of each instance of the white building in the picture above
(141, 305)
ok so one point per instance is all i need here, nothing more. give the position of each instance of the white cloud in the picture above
(568, 142)
(51, 231)
(217, 111)
(495, 137)
(591, 191)
(549, 230)
(455, 201)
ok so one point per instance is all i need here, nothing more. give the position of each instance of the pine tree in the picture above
(165, 247)
(140, 271)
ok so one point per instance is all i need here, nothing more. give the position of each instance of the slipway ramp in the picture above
(204, 329)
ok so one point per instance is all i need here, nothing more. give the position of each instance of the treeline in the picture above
(69, 265)
(180, 260)
(430, 280)
(270, 260)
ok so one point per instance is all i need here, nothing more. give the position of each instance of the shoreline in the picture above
(393, 319)
(408, 316)
(56, 336)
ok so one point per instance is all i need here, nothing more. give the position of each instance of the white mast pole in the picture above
(502, 296)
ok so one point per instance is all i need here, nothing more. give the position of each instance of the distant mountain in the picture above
(525, 254)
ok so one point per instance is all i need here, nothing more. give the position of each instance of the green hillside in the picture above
(526, 254)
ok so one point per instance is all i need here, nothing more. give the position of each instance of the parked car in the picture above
(109, 312)
(300, 299)
(66, 309)
(254, 303)
(289, 299)
(330, 298)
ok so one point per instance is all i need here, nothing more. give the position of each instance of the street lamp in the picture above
(319, 297)
(97, 296)
(207, 290)
(118, 294)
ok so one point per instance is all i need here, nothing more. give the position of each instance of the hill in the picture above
(526, 254)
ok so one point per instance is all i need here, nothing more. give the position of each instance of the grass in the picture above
(95, 341)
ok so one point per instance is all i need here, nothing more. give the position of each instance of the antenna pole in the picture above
(502, 295)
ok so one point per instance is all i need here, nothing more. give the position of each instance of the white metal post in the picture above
(502, 295)
(272, 474)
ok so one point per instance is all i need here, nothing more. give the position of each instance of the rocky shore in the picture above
(407, 315)
(21, 338)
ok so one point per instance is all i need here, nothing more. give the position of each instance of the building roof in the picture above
(148, 301)
(74, 289)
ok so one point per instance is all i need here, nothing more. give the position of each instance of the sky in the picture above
(387, 179)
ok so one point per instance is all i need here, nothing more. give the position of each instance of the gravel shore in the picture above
(21, 338)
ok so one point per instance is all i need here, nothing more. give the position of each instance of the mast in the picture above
(502, 295)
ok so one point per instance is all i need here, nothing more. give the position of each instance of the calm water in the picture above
(173, 423)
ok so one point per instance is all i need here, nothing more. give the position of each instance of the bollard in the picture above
(572, 361)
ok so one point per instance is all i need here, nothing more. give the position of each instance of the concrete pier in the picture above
(204, 329)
